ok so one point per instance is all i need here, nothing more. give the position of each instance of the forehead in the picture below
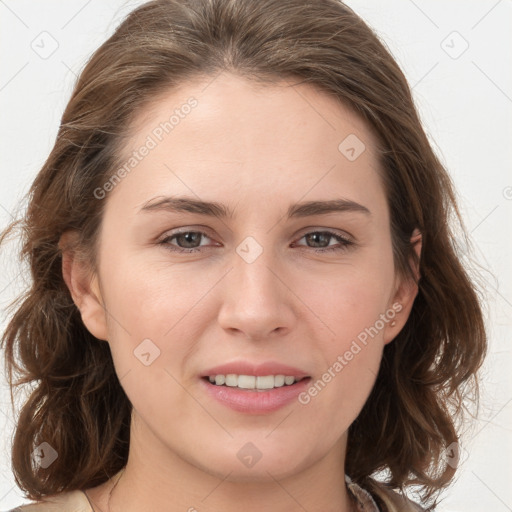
(225, 134)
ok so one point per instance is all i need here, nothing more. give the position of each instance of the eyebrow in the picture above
(221, 211)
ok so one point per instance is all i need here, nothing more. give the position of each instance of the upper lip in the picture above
(256, 369)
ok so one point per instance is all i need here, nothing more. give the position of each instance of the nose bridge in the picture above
(255, 300)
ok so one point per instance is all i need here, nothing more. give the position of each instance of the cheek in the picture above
(151, 338)
(142, 308)
(349, 359)
(337, 396)
(354, 311)
(348, 299)
(149, 294)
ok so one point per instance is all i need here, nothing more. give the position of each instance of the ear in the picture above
(83, 286)
(406, 289)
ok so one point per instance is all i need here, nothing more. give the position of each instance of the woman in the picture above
(245, 289)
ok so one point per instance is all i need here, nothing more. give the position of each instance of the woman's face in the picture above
(267, 289)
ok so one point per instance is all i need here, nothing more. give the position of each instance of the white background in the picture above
(466, 106)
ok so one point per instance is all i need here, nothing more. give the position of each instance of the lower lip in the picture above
(253, 401)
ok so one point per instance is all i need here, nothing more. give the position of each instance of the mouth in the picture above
(254, 394)
(254, 382)
(254, 388)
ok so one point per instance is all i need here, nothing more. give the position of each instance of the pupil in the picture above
(317, 235)
(188, 236)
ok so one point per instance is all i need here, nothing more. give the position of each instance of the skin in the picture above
(257, 150)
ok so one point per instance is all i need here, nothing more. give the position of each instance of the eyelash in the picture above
(345, 242)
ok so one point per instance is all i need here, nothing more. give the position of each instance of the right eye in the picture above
(186, 238)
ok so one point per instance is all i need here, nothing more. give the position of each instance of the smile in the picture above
(253, 382)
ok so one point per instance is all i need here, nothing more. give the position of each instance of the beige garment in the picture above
(77, 501)
(71, 501)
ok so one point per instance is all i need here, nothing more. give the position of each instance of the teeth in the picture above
(246, 381)
(231, 380)
(279, 381)
(267, 382)
(253, 382)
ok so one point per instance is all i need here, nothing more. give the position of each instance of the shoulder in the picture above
(71, 501)
(394, 501)
(376, 496)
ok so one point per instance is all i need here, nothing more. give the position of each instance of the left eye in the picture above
(187, 241)
(318, 237)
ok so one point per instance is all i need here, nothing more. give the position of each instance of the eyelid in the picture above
(334, 231)
(187, 229)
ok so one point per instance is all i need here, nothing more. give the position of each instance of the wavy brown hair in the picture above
(76, 402)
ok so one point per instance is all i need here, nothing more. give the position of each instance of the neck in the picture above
(157, 479)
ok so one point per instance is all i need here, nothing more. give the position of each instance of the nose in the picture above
(258, 303)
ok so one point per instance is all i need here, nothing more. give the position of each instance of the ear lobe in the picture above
(405, 293)
(83, 286)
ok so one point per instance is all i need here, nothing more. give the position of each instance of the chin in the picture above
(251, 464)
